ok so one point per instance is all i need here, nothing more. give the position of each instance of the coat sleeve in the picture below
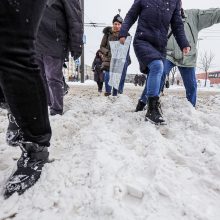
(177, 27)
(206, 18)
(93, 64)
(130, 18)
(103, 46)
(75, 24)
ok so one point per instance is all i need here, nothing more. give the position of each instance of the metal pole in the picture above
(83, 54)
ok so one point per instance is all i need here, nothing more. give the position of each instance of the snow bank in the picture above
(111, 164)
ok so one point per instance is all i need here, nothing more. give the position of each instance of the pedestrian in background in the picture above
(60, 31)
(97, 69)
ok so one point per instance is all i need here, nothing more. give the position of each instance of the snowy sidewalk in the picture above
(112, 165)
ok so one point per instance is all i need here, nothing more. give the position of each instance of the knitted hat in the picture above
(117, 18)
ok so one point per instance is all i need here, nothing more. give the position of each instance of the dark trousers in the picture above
(51, 71)
(2, 97)
(100, 85)
(20, 77)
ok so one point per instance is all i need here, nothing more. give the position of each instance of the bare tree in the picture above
(205, 63)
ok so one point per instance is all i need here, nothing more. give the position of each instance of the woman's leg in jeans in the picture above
(108, 88)
(156, 69)
(189, 79)
(123, 76)
(167, 68)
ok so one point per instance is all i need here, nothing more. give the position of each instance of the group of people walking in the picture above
(35, 39)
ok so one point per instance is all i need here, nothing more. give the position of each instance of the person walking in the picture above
(154, 19)
(112, 34)
(194, 21)
(98, 73)
(60, 31)
(24, 91)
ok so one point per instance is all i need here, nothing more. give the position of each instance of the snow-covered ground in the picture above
(112, 164)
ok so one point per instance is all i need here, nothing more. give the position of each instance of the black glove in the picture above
(76, 53)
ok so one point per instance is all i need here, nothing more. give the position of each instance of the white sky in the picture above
(102, 11)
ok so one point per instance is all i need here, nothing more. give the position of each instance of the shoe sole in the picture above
(152, 122)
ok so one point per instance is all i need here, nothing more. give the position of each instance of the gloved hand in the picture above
(76, 53)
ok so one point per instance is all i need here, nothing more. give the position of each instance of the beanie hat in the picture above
(117, 18)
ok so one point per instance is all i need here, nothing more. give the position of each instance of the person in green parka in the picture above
(194, 20)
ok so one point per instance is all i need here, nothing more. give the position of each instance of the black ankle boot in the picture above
(13, 131)
(29, 168)
(140, 106)
(3, 105)
(154, 114)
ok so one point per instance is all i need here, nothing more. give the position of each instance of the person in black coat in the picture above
(97, 69)
(23, 89)
(60, 31)
(154, 18)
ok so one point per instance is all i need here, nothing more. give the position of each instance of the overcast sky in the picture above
(102, 11)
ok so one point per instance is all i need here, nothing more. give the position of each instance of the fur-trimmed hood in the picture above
(107, 30)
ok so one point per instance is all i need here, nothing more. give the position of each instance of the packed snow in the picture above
(109, 163)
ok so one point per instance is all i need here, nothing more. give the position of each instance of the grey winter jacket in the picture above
(195, 21)
(61, 28)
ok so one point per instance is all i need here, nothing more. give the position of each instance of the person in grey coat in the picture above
(60, 32)
(194, 21)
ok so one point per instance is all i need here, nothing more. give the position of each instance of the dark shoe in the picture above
(154, 113)
(54, 112)
(107, 94)
(13, 134)
(29, 168)
(65, 89)
(4, 105)
(140, 106)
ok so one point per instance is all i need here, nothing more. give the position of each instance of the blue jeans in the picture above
(108, 88)
(123, 76)
(188, 75)
(152, 86)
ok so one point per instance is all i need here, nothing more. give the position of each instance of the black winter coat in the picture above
(61, 28)
(155, 17)
(96, 67)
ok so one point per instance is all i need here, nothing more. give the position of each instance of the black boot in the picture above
(29, 168)
(13, 134)
(65, 88)
(140, 106)
(154, 114)
(3, 105)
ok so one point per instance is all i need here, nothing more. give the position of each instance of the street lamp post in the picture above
(83, 54)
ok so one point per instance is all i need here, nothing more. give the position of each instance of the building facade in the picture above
(213, 77)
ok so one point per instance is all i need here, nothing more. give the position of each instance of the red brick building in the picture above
(214, 77)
